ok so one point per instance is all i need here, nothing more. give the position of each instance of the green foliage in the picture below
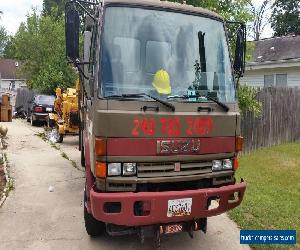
(249, 51)
(286, 17)
(40, 44)
(233, 10)
(247, 100)
(3, 40)
(54, 8)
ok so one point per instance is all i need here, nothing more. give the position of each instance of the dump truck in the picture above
(160, 123)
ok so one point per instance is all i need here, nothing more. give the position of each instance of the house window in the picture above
(281, 80)
(269, 80)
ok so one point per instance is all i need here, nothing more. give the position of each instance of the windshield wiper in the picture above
(139, 95)
(221, 104)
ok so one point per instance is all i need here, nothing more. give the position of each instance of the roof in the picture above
(276, 49)
(8, 69)
(167, 5)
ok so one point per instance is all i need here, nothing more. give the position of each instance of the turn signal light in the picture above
(100, 147)
(100, 169)
(239, 141)
(235, 164)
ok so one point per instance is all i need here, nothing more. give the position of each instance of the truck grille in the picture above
(145, 170)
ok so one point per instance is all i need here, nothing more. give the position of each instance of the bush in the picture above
(247, 100)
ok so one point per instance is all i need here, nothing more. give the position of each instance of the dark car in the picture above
(39, 108)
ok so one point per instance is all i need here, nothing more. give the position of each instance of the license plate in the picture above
(49, 109)
(171, 229)
(180, 207)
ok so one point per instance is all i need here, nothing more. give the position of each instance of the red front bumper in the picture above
(159, 204)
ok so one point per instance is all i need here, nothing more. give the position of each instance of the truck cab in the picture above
(160, 123)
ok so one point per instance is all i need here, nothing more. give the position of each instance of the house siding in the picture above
(294, 79)
(255, 77)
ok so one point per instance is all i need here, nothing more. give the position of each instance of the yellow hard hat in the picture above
(161, 82)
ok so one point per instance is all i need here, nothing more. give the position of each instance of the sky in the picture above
(15, 11)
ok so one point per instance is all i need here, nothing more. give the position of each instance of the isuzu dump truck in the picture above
(160, 123)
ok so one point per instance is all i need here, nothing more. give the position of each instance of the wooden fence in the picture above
(280, 120)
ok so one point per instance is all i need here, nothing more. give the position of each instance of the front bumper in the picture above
(159, 204)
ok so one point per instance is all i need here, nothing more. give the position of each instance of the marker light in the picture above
(100, 146)
(235, 163)
(239, 141)
(100, 169)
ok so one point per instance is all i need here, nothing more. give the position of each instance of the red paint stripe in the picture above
(147, 146)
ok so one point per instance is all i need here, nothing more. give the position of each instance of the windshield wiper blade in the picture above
(123, 96)
(167, 104)
(221, 104)
(224, 106)
(139, 95)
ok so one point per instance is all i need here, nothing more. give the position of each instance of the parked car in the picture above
(39, 108)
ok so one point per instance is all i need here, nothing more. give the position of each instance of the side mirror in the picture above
(72, 25)
(240, 51)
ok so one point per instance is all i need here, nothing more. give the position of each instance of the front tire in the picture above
(50, 123)
(32, 122)
(60, 138)
(93, 227)
(82, 157)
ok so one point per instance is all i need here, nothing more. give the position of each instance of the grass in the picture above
(57, 147)
(64, 155)
(272, 198)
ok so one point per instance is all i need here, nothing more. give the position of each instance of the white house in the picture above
(10, 81)
(275, 62)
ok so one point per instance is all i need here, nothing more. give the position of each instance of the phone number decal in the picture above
(199, 126)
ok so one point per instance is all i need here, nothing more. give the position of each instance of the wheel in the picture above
(93, 227)
(32, 121)
(82, 157)
(50, 123)
(28, 116)
(60, 138)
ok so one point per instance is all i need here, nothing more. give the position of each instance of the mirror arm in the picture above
(84, 63)
(80, 2)
(77, 64)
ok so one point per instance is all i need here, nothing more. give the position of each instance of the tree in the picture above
(40, 44)
(3, 40)
(232, 10)
(286, 17)
(54, 8)
(260, 19)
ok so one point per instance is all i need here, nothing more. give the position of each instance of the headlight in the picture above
(129, 169)
(216, 165)
(114, 169)
(227, 164)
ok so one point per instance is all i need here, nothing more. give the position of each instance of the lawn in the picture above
(272, 198)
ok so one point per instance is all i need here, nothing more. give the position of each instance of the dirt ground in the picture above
(34, 218)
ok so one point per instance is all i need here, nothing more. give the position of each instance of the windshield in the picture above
(45, 99)
(166, 54)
